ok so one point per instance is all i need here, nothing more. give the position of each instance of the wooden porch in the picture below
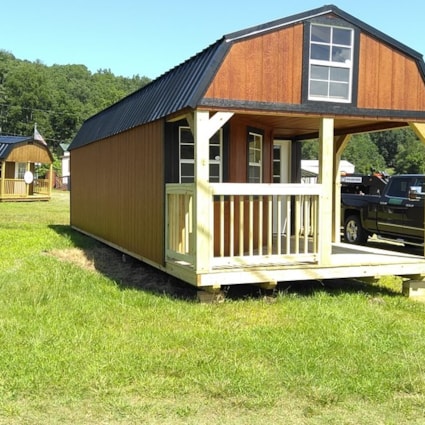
(264, 234)
(19, 190)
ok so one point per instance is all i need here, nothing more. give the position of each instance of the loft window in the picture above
(330, 63)
(187, 156)
(255, 157)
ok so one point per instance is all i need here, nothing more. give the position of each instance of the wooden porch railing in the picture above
(252, 223)
(18, 187)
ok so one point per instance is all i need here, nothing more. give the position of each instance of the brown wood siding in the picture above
(267, 68)
(388, 79)
(29, 153)
(10, 170)
(117, 190)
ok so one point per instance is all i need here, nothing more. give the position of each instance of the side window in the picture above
(399, 187)
(255, 157)
(330, 63)
(187, 156)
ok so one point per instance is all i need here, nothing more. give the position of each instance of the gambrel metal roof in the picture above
(8, 143)
(184, 86)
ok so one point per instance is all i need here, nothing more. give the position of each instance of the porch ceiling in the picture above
(307, 127)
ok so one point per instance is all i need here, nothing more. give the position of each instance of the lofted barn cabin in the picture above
(19, 157)
(198, 173)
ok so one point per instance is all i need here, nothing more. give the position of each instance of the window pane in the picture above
(186, 135)
(187, 170)
(215, 140)
(254, 174)
(319, 88)
(320, 72)
(214, 173)
(215, 152)
(338, 90)
(320, 52)
(341, 54)
(340, 74)
(187, 152)
(341, 36)
(321, 34)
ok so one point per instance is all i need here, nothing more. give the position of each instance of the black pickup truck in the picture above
(395, 211)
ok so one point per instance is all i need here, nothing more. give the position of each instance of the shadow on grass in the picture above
(126, 271)
(309, 288)
(129, 272)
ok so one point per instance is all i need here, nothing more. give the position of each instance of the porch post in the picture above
(340, 145)
(27, 186)
(3, 172)
(203, 202)
(326, 161)
(419, 129)
(50, 179)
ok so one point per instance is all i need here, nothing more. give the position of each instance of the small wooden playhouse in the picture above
(19, 157)
(198, 173)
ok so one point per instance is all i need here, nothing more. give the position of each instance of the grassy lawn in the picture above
(86, 338)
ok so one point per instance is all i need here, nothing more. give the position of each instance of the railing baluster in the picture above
(306, 222)
(241, 230)
(232, 226)
(288, 224)
(251, 224)
(279, 224)
(221, 226)
(260, 225)
(297, 229)
(270, 225)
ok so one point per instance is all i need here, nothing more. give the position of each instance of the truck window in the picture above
(399, 187)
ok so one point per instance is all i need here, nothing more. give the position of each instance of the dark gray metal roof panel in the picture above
(7, 143)
(177, 89)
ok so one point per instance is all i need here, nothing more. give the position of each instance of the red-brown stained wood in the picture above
(388, 79)
(118, 190)
(263, 69)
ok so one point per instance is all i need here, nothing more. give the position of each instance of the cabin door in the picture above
(281, 174)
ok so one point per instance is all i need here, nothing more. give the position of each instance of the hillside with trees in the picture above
(395, 152)
(57, 98)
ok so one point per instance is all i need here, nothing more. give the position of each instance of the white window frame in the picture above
(255, 156)
(216, 160)
(331, 65)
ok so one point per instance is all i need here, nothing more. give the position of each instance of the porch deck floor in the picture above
(347, 261)
(24, 198)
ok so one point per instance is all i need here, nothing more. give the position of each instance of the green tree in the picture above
(58, 98)
(364, 154)
(310, 149)
(410, 157)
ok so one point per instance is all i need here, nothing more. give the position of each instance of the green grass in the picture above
(79, 346)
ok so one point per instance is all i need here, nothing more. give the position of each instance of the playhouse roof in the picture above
(8, 143)
(184, 86)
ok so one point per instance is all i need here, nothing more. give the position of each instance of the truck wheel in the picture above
(354, 232)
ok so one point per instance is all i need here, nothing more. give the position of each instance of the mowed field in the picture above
(88, 336)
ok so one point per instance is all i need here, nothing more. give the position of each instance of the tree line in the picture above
(57, 98)
(394, 152)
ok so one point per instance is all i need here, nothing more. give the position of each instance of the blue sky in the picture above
(148, 38)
